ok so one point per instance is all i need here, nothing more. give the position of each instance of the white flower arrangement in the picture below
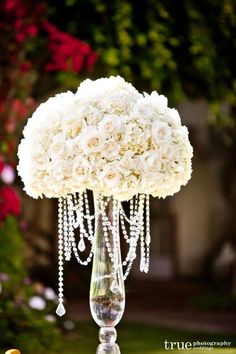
(107, 138)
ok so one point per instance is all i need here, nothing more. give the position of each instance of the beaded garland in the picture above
(74, 213)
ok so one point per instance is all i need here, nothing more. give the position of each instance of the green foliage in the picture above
(20, 326)
(25, 329)
(223, 120)
(11, 252)
(179, 48)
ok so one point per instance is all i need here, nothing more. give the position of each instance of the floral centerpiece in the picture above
(123, 146)
(108, 138)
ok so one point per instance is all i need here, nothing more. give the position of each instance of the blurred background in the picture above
(185, 50)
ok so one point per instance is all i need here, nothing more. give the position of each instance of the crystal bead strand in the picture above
(145, 239)
(67, 243)
(106, 226)
(123, 228)
(60, 311)
(133, 244)
(71, 220)
(80, 222)
(77, 208)
(142, 238)
(113, 229)
(134, 235)
(81, 216)
(72, 223)
(79, 260)
(115, 234)
(89, 217)
(148, 234)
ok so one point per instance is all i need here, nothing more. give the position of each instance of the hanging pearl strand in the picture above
(61, 212)
(135, 230)
(148, 234)
(89, 218)
(111, 230)
(115, 235)
(67, 243)
(72, 222)
(134, 235)
(106, 226)
(123, 228)
(73, 212)
(115, 287)
(81, 203)
(142, 238)
(79, 208)
(145, 238)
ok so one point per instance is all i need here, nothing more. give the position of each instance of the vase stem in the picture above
(107, 292)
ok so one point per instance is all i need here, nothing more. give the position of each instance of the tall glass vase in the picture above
(107, 292)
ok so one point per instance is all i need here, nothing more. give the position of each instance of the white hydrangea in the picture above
(108, 138)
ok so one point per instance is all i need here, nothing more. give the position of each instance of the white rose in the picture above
(173, 118)
(112, 95)
(110, 176)
(60, 170)
(111, 149)
(72, 125)
(150, 165)
(91, 140)
(111, 124)
(150, 107)
(81, 169)
(127, 163)
(161, 132)
(57, 148)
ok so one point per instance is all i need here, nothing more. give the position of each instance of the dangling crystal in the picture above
(114, 287)
(67, 256)
(81, 245)
(60, 311)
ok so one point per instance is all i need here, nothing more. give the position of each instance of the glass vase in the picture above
(107, 291)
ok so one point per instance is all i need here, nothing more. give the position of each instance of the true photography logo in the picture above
(195, 345)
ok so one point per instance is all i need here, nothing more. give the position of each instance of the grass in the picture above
(137, 339)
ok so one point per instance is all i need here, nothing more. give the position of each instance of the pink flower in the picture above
(32, 30)
(27, 281)
(37, 303)
(20, 37)
(1, 164)
(67, 52)
(4, 277)
(19, 108)
(25, 66)
(11, 5)
(50, 294)
(7, 174)
(9, 202)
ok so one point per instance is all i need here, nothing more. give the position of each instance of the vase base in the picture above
(108, 348)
